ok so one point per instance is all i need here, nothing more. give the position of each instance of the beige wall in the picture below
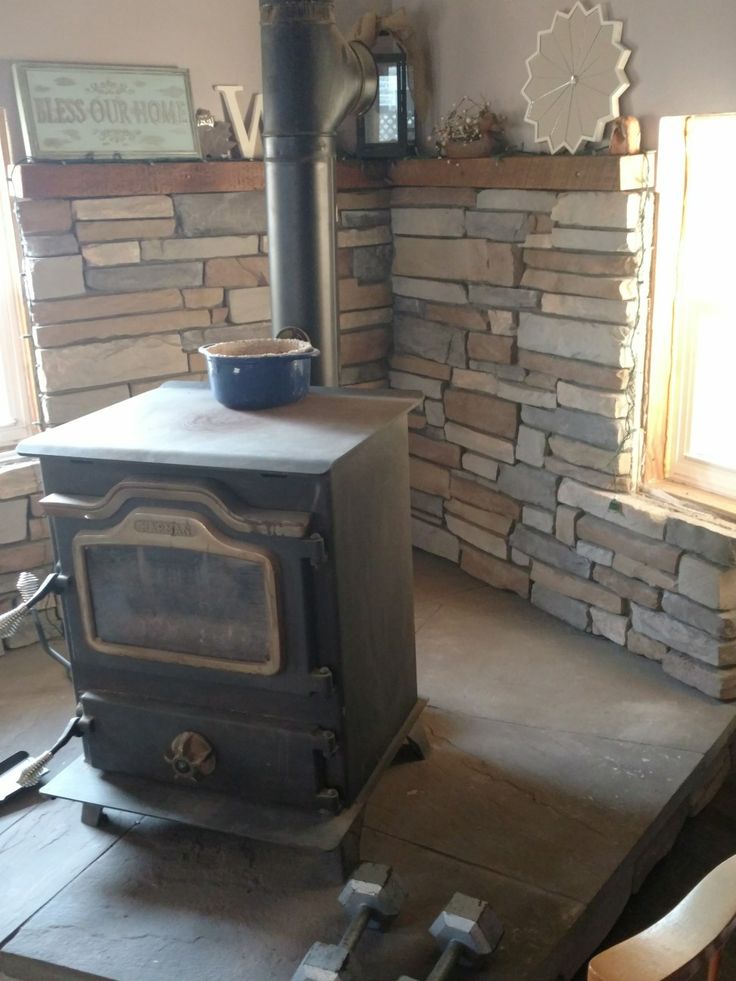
(217, 41)
(682, 54)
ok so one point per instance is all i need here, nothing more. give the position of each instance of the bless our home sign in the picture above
(105, 112)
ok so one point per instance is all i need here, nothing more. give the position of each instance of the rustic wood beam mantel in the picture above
(560, 173)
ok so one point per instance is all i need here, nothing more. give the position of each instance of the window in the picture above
(15, 403)
(692, 442)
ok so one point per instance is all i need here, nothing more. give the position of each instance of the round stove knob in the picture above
(191, 756)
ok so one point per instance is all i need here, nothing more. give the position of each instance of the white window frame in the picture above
(14, 371)
(674, 330)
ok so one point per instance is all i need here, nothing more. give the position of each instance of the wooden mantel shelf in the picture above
(565, 173)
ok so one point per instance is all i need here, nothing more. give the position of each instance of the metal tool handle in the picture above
(32, 591)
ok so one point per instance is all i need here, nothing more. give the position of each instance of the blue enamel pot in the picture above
(261, 373)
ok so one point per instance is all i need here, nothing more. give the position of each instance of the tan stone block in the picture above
(438, 541)
(580, 263)
(93, 365)
(473, 492)
(111, 305)
(132, 230)
(499, 523)
(38, 529)
(471, 439)
(591, 308)
(420, 366)
(654, 553)
(55, 276)
(237, 271)
(504, 322)
(526, 395)
(367, 318)
(428, 197)
(219, 315)
(601, 287)
(432, 222)
(429, 477)
(365, 345)
(716, 682)
(112, 253)
(608, 344)
(197, 363)
(434, 450)
(475, 381)
(13, 520)
(576, 371)
(491, 347)
(496, 573)
(192, 340)
(354, 296)
(630, 512)
(565, 524)
(467, 260)
(639, 644)
(202, 296)
(63, 408)
(483, 412)
(249, 305)
(363, 200)
(639, 570)
(348, 238)
(630, 589)
(58, 335)
(44, 217)
(140, 206)
(172, 249)
(599, 209)
(18, 477)
(465, 318)
(609, 625)
(682, 637)
(478, 537)
(585, 455)
(596, 240)
(480, 465)
(579, 589)
(17, 558)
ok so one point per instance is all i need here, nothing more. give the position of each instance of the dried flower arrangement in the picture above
(470, 129)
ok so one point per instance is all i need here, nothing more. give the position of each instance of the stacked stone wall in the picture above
(122, 291)
(520, 320)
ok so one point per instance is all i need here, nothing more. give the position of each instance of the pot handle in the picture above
(294, 334)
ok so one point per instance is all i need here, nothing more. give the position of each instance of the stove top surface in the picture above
(182, 423)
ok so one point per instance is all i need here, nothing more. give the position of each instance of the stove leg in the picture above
(348, 851)
(417, 741)
(92, 815)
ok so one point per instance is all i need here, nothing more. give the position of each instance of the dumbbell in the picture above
(467, 931)
(372, 897)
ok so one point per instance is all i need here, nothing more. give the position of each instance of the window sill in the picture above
(704, 502)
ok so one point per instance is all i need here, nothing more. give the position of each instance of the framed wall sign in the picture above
(105, 112)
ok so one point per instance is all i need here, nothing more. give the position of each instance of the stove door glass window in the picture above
(188, 602)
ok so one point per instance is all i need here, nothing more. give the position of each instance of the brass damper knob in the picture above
(191, 756)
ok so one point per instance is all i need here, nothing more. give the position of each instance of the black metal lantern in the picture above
(388, 129)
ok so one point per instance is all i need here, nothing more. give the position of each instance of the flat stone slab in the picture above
(561, 770)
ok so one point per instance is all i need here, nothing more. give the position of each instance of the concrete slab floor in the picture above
(562, 769)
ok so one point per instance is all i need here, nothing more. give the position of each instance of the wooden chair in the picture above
(691, 936)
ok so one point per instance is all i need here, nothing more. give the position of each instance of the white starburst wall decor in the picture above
(576, 77)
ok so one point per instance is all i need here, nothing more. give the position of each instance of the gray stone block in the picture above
(365, 219)
(585, 426)
(715, 542)
(681, 636)
(571, 611)
(227, 213)
(372, 263)
(529, 484)
(423, 338)
(549, 550)
(438, 541)
(604, 344)
(505, 297)
(507, 226)
(129, 279)
(429, 503)
(721, 624)
(13, 520)
(706, 583)
(38, 246)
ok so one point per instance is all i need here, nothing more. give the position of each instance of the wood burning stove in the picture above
(239, 614)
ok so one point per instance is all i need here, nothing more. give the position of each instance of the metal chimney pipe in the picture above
(312, 78)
